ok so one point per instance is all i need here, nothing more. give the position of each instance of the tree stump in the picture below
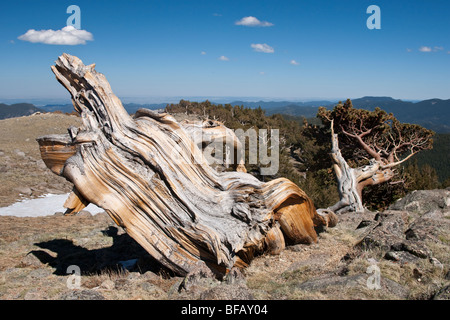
(149, 175)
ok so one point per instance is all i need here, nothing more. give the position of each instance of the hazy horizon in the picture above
(175, 99)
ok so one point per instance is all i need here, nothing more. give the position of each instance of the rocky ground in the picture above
(401, 253)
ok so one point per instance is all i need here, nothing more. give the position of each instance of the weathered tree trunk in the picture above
(350, 197)
(149, 175)
(351, 181)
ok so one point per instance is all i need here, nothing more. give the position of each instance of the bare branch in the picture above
(363, 145)
(393, 164)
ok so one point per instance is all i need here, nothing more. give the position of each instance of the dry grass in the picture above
(276, 277)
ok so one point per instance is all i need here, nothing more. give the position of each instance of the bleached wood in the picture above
(351, 181)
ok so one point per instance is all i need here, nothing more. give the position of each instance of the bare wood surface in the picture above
(350, 198)
(351, 181)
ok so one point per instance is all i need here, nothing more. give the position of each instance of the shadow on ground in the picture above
(124, 252)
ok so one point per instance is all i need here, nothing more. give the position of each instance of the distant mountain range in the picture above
(17, 110)
(433, 114)
(26, 109)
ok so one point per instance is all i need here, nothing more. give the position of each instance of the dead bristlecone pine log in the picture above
(149, 175)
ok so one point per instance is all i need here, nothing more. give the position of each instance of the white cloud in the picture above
(425, 49)
(223, 58)
(203, 53)
(262, 73)
(295, 63)
(66, 36)
(430, 49)
(408, 50)
(253, 22)
(262, 47)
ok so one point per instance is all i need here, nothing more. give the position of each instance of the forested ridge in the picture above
(304, 154)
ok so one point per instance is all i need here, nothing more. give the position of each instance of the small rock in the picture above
(437, 263)
(82, 295)
(25, 191)
(152, 289)
(37, 194)
(41, 164)
(391, 255)
(19, 153)
(235, 277)
(365, 223)
(433, 214)
(324, 282)
(197, 276)
(148, 275)
(133, 276)
(416, 249)
(40, 273)
(403, 257)
(227, 292)
(108, 285)
(147, 286)
(443, 294)
(58, 214)
(33, 294)
(54, 191)
(296, 248)
(122, 283)
(84, 213)
(175, 288)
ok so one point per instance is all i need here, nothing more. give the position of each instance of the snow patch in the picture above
(43, 206)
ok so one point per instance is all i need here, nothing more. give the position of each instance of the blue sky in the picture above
(151, 49)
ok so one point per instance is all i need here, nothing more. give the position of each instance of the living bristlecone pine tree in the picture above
(374, 143)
